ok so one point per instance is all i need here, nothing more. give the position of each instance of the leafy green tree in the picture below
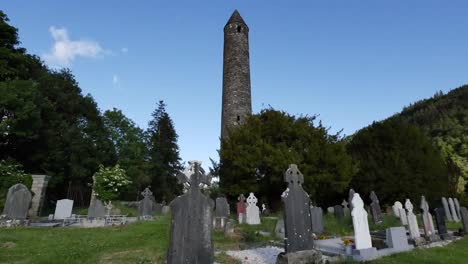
(110, 183)
(256, 155)
(129, 143)
(164, 159)
(397, 161)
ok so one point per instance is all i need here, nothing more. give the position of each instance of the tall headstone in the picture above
(429, 230)
(403, 217)
(191, 224)
(241, 209)
(338, 211)
(96, 208)
(452, 210)
(412, 222)
(375, 208)
(297, 218)
(396, 208)
(63, 209)
(439, 214)
(464, 217)
(17, 202)
(252, 211)
(38, 188)
(345, 208)
(317, 219)
(446, 209)
(145, 206)
(221, 212)
(457, 207)
(362, 236)
(350, 198)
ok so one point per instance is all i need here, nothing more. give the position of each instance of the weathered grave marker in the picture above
(350, 198)
(413, 223)
(221, 212)
(396, 208)
(446, 209)
(38, 188)
(345, 208)
(429, 230)
(145, 206)
(191, 224)
(440, 221)
(331, 210)
(17, 202)
(457, 207)
(241, 209)
(252, 211)
(452, 210)
(362, 238)
(375, 208)
(63, 209)
(464, 217)
(338, 211)
(96, 208)
(317, 219)
(396, 238)
(403, 217)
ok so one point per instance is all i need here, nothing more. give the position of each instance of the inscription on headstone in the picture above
(17, 202)
(191, 224)
(297, 218)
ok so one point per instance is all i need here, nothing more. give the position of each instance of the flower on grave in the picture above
(348, 241)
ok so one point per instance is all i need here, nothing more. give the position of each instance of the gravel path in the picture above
(265, 255)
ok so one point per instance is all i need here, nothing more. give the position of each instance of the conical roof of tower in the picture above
(236, 18)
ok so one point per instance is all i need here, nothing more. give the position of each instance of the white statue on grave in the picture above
(362, 236)
(252, 212)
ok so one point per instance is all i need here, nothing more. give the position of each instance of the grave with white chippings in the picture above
(191, 224)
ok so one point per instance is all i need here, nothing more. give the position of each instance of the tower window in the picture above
(239, 29)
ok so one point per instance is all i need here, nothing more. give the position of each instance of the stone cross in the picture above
(241, 209)
(252, 210)
(452, 210)
(345, 207)
(428, 223)
(362, 236)
(375, 208)
(446, 209)
(191, 223)
(412, 221)
(145, 206)
(17, 202)
(297, 218)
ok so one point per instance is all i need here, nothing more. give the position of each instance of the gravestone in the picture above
(96, 208)
(396, 208)
(157, 208)
(350, 198)
(464, 217)
(252, 211)
(403, 217)
(396, 238)
(145, 206)
(241, 209)
(338, 211)
(265, 210)
(457, 207)
(413, 223)
(165, 210)
(429, 230)
(17, 202)
(297, 218)
(362, 238)
(446, 209)
(452, 210)
(317, 219)
(38, 188)
(279, 228)
(191, 224)
(331, 210)
(375, 208)
(221, 212)
(345, 208)
(63, 209)
(439, 214)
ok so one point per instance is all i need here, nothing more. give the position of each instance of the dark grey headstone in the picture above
(297, 218)
(338, 211)
(191, 224)
(439, 214)
(317, 219)
(222, 207)
(17, 202)
(96, 209)
(350, 198)
(464, 216)
(376, 212)
(145, 207)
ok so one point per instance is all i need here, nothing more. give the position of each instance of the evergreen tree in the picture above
(164, 160)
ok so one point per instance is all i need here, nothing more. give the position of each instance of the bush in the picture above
(110, 182)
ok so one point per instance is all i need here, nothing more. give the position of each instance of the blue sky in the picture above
(351, 62)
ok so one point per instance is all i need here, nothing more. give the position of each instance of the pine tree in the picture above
(164, 160)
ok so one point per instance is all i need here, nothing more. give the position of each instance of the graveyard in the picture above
(82, 181)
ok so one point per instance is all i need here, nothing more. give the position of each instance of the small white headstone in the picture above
(362, 236)
(252, 211)
(396, 208)
(403, 217)
(63, 209)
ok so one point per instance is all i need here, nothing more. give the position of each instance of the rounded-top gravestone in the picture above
(17, 202)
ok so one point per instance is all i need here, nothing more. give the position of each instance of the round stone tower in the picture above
(237, 102)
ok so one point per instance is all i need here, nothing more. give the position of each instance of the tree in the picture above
(164, 160)
(256, 155)
(110, 182)
(130, 147)
(397, 161)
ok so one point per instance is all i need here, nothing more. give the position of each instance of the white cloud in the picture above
(115, 79)
(124, 50)
(64, 50)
